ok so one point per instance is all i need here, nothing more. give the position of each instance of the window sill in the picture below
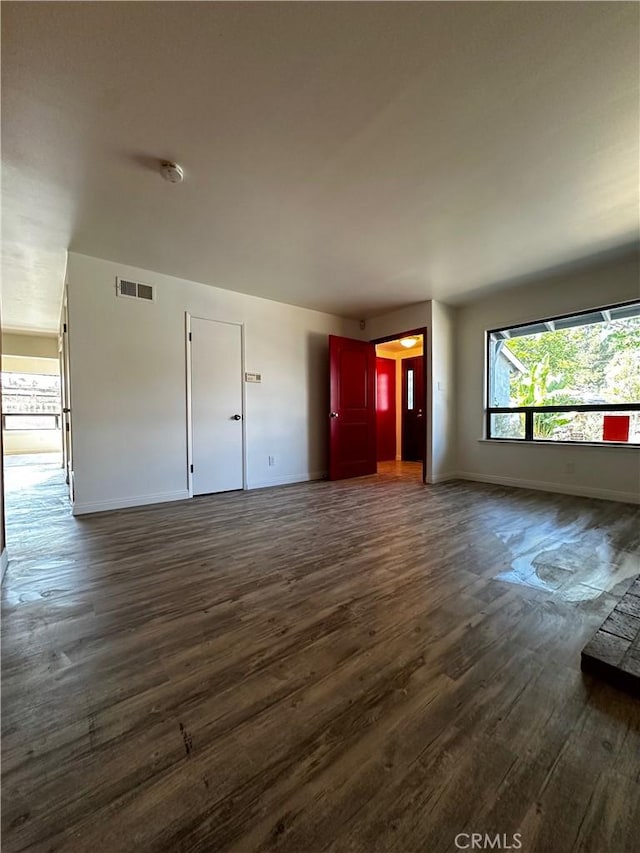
(609, 445)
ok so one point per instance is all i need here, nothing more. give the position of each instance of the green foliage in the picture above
(539, 387)
(601, 360)
(623, 375)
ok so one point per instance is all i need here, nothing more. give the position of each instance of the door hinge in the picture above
(66, 426)
(64, 328)
(190, 338)
(191, 468)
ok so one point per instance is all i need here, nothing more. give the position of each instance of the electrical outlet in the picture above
(272, 461)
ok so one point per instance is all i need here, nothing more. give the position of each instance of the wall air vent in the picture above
(135, 289)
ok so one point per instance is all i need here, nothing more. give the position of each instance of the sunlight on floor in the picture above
(23, 472)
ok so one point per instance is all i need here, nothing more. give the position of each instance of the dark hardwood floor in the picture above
(369, 665)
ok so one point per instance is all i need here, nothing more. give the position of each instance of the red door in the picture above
(386, 408)
(352, 439)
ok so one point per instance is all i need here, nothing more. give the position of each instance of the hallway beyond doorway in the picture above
(401, 398)
(398, 470)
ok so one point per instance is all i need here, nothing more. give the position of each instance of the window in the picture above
(30, 401)
(410, 389)
(573, 378)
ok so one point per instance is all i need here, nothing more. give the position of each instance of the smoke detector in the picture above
(171, 172)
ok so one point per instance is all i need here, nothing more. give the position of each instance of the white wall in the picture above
(27, 364)
(403, 320)
(128, 384)
(33, 346)
(17, 442)
(443, 358)
(598, 471)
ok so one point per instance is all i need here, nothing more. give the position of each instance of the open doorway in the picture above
(378, 406)
(401, 403)
(34, 480)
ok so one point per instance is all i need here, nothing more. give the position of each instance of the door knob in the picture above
(334, 414)
(236, 417)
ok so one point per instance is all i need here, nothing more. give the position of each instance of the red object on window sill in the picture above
(615, 427)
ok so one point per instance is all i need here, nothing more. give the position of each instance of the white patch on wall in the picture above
(130, 289)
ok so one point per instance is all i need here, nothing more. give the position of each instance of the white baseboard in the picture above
(556, 488)
(4, 562)
(288, 480)
(146, 500)
(442, 478)
(126, 503)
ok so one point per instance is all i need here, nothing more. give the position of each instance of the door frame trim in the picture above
(64, 338)
(189, 419)
(425, 378)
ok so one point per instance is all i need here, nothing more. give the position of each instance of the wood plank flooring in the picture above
(371, 665)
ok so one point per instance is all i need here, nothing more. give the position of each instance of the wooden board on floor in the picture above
(613, 652)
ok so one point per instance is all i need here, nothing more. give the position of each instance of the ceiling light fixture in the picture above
(171, 172)
(408, 342)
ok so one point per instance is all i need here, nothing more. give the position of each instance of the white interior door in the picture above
(216, 406)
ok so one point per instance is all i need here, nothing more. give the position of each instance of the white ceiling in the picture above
(350, 157)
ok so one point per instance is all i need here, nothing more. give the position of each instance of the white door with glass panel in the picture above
(216, 406)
